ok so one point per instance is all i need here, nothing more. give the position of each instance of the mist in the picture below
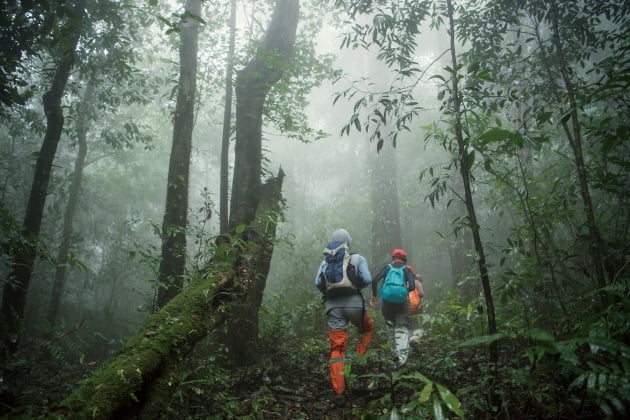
(489, 143)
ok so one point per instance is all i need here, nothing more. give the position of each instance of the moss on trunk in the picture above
(140, 379)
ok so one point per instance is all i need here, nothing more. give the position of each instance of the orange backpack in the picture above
(415, 296)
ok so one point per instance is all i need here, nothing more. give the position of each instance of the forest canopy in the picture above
(171, 172)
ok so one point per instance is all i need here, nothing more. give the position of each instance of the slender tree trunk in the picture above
(16, 288)
(227, 126)
(575, 139)
(73, 200)
(253, 84)
(173, 262)
(464, 161)
(141, 379)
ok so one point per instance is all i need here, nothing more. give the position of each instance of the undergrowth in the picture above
(539, 376)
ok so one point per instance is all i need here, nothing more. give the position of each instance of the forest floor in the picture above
(290, 383)
(299, 388)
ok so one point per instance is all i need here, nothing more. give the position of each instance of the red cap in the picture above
(399, 255)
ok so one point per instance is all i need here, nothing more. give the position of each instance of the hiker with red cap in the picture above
(340, 278)
(398, 281)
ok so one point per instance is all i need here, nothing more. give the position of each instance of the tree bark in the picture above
(141, 379)
(227, 127)
(173, 262)
(73, 200)
(252, 85)
(16, 287)
(464, 162)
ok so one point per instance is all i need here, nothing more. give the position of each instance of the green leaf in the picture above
(425, 394)
(494, 135)
(543, 117)
(535, 143)
(450, 400)
(619, 406)
(516, 139)
(241, 228)
(416, 375)
(606, 409)
(541, 335)
(485, 75)
(437, 409)
(470, 158)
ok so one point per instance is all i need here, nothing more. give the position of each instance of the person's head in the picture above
(341, 235)
(399, 255)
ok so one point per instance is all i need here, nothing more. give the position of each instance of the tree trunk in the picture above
(253, 84)
(464, 162)
(73, 200)
(596, 244)
(386, 233)
(227, 126)
(16, 288)
(141, 379)
(173, 262)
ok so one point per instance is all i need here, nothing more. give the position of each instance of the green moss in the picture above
(143, 375)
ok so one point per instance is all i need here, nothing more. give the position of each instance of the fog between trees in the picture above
(528, 113)
(328, 180)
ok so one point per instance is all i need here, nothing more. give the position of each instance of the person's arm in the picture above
(375, 280)
(318, 280)
(379, 277)
(363, 272)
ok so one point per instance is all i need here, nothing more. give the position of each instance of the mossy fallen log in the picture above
(139, 380)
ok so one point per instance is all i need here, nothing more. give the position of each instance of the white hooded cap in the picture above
(342, 235)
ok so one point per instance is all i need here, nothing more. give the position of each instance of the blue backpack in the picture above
(338, 272)
(394, 289)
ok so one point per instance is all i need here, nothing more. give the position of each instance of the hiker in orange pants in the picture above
(339, 340)
(340, 278)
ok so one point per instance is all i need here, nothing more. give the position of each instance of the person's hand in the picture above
(373, 301)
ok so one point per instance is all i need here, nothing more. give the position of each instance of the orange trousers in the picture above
(338, 346)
